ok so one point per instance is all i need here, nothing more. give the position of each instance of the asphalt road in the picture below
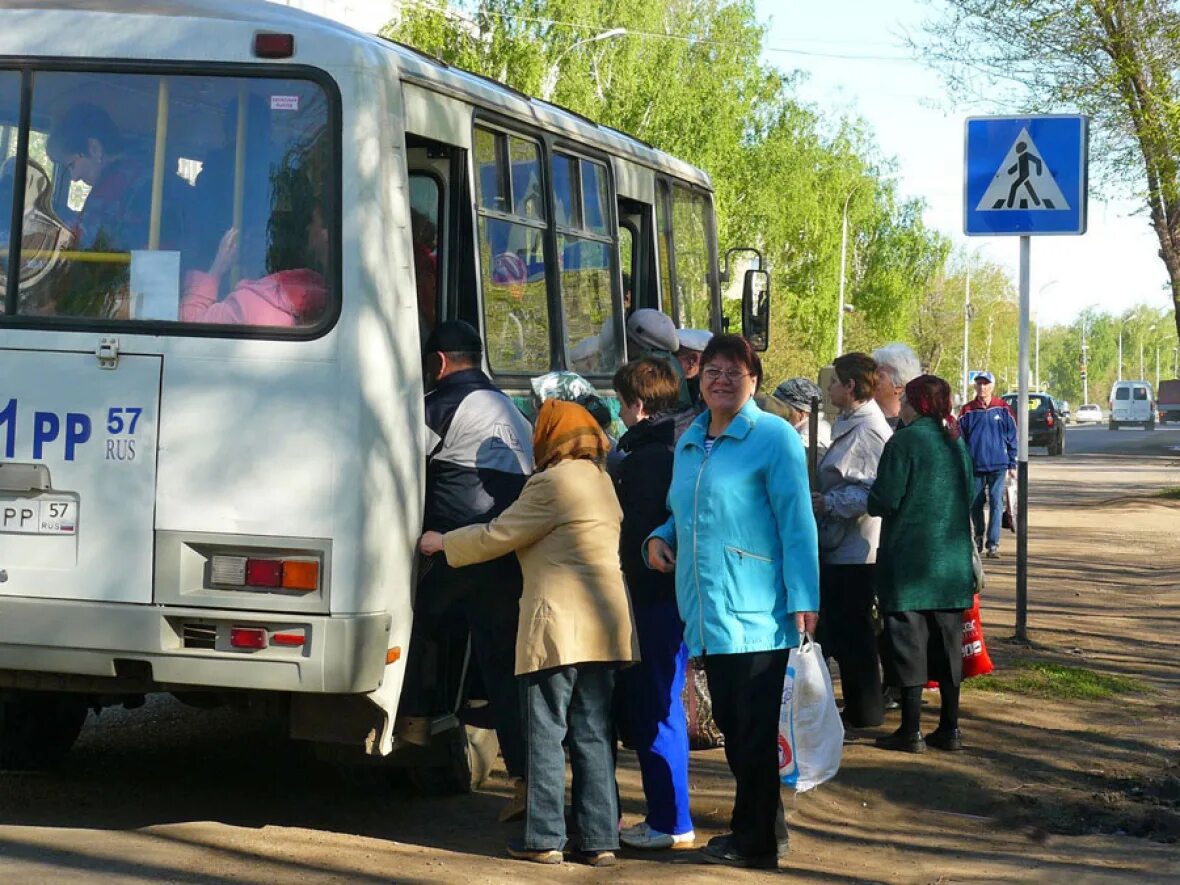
(1132, 442)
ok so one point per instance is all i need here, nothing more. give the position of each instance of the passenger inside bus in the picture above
(425, 236)
(294, 291)
(116, 217)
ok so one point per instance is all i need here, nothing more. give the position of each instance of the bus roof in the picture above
(415, 66)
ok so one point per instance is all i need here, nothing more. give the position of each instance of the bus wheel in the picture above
(37, 729)
(469, 753)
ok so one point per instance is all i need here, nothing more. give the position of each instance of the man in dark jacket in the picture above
(479, 455)
(989, 429)
(651, 689)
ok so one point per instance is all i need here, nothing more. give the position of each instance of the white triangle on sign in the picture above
(1023, 181)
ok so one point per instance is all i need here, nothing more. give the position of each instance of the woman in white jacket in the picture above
(848, 537)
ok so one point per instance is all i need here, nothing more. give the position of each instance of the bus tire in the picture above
(469, 753)
(38, 728)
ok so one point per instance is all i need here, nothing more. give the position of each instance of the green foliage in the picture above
(1046, 680)
(1116, 60)
(687, 77)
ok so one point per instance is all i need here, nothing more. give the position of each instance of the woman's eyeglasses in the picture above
(712, 375)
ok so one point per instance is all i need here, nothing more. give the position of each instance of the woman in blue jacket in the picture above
(742, 542)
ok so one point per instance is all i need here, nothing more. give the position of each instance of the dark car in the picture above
(1046, 425)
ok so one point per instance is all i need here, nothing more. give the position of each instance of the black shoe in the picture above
(948, 739)
(902, 742)
(517, 849)
(721, 850)
(979, 543)
(596, 858)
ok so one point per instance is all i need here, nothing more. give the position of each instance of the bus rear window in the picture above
(173, 198)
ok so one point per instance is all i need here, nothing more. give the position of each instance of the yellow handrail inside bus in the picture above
(158, 165)
(72, 255)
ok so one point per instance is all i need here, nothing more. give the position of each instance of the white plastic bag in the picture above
(810, 733)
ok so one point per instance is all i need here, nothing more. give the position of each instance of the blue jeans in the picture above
(992, 483)
(570, 701)
(652, 693)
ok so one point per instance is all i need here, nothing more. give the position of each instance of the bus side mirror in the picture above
(756, 309)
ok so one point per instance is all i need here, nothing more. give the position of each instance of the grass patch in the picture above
(1171, 494)
(1056, 681)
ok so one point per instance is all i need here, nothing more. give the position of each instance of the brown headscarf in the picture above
(564, 431)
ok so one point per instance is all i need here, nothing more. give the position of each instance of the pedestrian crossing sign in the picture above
(1026, 175)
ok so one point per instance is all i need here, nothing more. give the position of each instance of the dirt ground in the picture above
(1048, 789)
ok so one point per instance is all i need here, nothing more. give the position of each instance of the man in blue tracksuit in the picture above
(989, 429)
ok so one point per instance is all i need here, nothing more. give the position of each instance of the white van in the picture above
(1132, 402)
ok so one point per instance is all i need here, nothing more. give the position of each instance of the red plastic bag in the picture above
(976, 660)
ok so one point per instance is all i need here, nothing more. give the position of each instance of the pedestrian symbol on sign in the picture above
(1022, 179)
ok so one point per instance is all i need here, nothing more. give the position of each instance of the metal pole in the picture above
(158, 160)
(1120, 353)
(967, 332)
(843, 260)
(1022, 450)
(1037, 372)
(1142, 371)
(1085, 367)
(1157, 368)
(813, 444)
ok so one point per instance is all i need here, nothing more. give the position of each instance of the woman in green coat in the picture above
(925, 578)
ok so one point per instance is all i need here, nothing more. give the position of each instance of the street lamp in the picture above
(1142, 370)
(549, 84)
(843, 262)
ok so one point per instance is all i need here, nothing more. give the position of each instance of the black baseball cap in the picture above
(454, 336)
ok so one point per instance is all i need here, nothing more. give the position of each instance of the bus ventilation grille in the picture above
(200, 636)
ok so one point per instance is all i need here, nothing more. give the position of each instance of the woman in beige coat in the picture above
(575, 629)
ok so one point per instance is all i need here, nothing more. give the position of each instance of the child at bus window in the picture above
(293, 293)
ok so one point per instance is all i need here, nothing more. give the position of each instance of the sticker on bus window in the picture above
(284, 102)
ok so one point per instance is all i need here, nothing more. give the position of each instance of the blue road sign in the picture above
(1026, 175)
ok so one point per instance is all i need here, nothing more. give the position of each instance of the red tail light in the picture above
(247, 637)
(1049, 420)
(264, 573)
(274, 45)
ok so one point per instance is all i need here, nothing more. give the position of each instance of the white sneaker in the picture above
(644, 837)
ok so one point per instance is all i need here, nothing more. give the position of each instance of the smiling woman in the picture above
(742, 541)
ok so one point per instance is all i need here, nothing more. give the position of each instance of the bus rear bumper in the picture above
(64, 644)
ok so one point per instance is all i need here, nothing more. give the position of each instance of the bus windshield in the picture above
(168, 198)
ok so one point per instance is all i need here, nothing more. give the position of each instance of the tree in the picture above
(1116, 60)
(687, 77)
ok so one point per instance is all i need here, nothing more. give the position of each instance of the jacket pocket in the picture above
(750, 581)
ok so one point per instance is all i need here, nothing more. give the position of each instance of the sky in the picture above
(853, 54)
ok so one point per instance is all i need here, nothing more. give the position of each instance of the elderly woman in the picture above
(794, 396)
(575, 629)
(923, 491)
(741, 540)
(848, 537)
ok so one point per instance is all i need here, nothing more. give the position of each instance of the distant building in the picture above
(367, 16)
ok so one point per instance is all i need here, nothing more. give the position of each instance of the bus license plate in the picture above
(39, 516)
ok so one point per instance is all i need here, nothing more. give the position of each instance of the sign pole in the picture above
(1022, 450)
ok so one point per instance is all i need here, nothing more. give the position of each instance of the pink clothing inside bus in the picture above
(286, 298)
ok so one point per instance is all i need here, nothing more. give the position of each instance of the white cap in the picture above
(694, 339)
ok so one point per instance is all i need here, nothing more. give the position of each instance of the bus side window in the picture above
(425, 215)
(587, 265)
(691, 241)
(513, 254)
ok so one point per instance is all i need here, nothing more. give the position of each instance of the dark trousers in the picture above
(747, 692)
(848, 634)
(652, 693)
(488, 598)
(571, 703)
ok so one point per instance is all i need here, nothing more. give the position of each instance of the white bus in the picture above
(226, 226)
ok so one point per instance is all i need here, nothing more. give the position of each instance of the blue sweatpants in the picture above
(652, 695)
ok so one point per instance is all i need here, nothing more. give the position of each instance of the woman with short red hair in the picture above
(925, 577)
